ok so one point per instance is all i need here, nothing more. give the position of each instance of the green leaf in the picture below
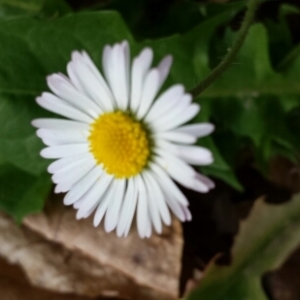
(42, 8)
(31, 50)
(219, 168)
(19, 144)
(252, 74)
(54, 9)
(24, 42)
(265, 240)
(21, 193)
(15, 8)
(252, 100)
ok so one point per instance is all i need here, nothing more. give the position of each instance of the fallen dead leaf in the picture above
(15, 286)
(59, 253)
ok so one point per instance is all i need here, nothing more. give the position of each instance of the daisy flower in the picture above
(122, 142)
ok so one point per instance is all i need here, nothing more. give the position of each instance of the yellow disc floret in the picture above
(120, 143)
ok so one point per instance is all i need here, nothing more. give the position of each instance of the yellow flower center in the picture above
(120, 143)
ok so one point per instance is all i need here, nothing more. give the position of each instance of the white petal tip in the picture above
(79, 215)
(168, 221)
(51, 77)
(96, 222)
(44, 153)
(168, 60)
(212, 127)
(34, 123)
(67, 202)
(57, 190)
(108, 227)
(75, 55)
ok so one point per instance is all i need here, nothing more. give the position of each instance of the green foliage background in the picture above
(255, 105)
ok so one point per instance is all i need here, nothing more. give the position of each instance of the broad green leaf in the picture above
(220, 168)
(265, 240)
(42, 8)
(257, 100)
(252, 73)
(260, 119)
(21, 193)
(19, 144)
(14, 8)
(54, 8)
(29, 57)
(31, 50)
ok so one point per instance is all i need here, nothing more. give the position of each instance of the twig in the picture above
(232, 52)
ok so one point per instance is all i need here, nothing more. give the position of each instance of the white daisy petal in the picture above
(94, 87)
(85, 214)
(159, 197)
(65, 90)
(149, 227)
(113, 211)
(62, 173)
(106, 58)
(58, 106)
(61, 137)
(206, 180)
(180, 211)
(195, 155)
(142, 208)
(88, 201)
(131, 208)
(188, 215)
(126, 50)
(77, 204)
(181, 172)
(165, 102)
(140, 67)
(82, 186)
(107, 198)
(64, 150)
(128, 207)
(94, 195)
(60, 124)
(163, 144)
(164, 68)
(182, 118)
(66, 179)
(150, 89)
(168, 184)
(197, 130)
(66, 161)
(152, 206)
(71, 69)
(99, 75)
(173, 114)
(116, 71)
(178, 137)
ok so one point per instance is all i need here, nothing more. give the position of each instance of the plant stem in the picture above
(232, 52)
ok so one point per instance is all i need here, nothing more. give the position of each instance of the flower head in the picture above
(122, 142)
